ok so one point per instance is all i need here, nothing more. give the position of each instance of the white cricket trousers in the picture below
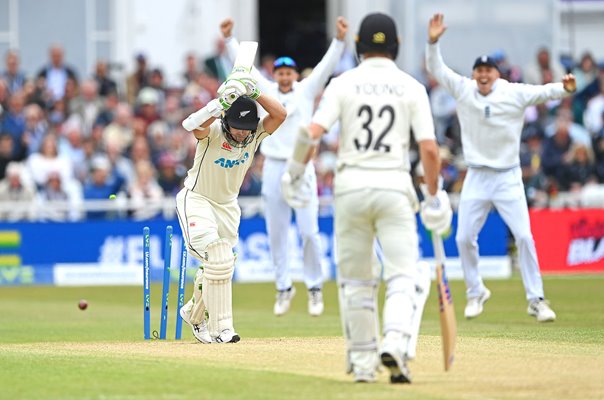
(203, 221)
(482, 189)
(278, 215)
(362, 216)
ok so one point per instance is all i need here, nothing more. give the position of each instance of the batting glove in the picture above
(435, 211)
(230, 91)
(252, 90)
(296, 185)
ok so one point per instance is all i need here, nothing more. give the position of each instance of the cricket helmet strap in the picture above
(377, 34)
(243, 115)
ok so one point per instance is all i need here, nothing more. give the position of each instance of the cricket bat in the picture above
(245, 57)
(448, 323)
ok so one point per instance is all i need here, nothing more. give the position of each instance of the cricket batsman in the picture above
(228, 133)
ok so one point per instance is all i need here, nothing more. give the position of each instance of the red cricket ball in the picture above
(83, 304)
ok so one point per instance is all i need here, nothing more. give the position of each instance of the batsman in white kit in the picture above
(491, 115)
(377, 106)
(298, 97)
(228, 133)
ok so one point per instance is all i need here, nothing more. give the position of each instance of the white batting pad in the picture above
(358, 308)
(198, 310)
(216, 287)
(422, 290)
(399, 305)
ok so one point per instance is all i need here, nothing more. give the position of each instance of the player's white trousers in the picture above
(278, 215)
(360, 217)
(482, 189)
(203, 221)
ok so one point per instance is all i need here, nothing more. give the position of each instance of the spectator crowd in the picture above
(68, 138)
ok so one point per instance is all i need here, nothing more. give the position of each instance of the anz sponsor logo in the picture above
(380, 89)
(225, 163)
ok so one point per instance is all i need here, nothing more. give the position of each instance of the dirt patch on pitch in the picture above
(485, 368)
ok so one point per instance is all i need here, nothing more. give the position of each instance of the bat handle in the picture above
(439, 248)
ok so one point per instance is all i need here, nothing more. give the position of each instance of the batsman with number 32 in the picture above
(377, 106)
(228, 133)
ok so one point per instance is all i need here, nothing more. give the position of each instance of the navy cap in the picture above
(486, 61)
(243, 114)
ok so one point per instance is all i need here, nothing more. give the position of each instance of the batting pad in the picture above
(399, 305)
(217, 291)
(199, 307)
(358, 305)
(422, 290)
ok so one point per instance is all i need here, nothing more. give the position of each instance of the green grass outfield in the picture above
(49, 349)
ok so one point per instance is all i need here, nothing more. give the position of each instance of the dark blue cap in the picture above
(486, 61)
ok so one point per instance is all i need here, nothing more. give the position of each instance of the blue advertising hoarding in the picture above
(110, 252)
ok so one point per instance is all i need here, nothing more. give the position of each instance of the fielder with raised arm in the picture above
(228, 133)
(491, 115)
(377, 106)
(299, 100)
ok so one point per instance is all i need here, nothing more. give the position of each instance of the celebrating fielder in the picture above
(491, 114)
(377, 106)
(299, 99)
(228, 133)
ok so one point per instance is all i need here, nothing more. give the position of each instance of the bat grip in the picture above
(439, 248)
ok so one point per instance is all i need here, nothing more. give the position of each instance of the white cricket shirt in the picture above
(491, 125)
(219, 168)
(377, 106)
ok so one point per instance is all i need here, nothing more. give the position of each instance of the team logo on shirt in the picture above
(226, 146)
(226, 163)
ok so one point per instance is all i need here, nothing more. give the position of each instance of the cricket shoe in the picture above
(541, 310)
(200, 331)
(315, 302)
(393, 359)
(476, 304)
(227, 336)
(364, 376)
(284, 300)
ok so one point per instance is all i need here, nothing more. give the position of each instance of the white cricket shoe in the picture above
(541, 310)
(284, 300)
(227, 336)
(315, 302)
(475, 304)
(200, 331)
(364, 376)
(396, 362)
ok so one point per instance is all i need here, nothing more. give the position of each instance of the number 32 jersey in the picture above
(378, 106)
